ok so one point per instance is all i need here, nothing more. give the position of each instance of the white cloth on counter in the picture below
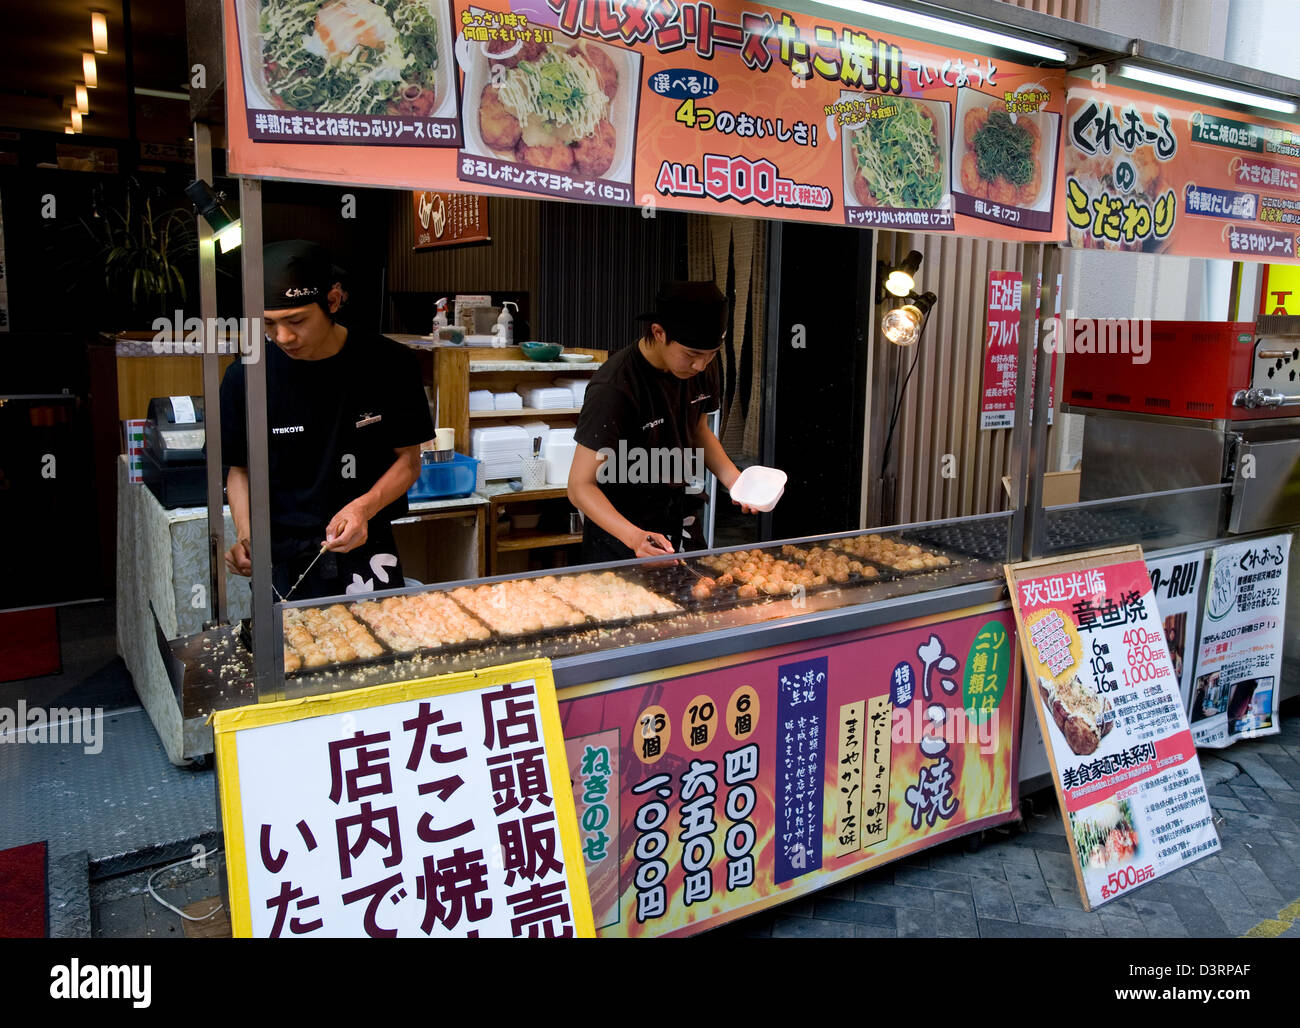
(481, 399)
(507, 401)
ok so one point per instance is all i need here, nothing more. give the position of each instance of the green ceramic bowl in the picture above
(541, 351)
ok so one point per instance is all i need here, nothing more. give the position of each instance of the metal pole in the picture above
(775, 246)
(1030, 261)
(211, 389)
(1042, 395)
(266, 683)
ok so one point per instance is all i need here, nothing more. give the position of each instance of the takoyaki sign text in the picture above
(1123, 761)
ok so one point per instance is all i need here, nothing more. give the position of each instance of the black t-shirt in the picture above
(645, 419)
(333, 425)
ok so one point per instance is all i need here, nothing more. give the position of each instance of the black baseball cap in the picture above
(693, 314)
(296, 273)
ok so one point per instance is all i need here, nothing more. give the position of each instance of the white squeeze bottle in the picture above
(440, 316)
(505, 326)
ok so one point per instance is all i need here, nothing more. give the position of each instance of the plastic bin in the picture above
(456, 477)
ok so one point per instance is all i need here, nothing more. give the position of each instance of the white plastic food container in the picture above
(759, 487)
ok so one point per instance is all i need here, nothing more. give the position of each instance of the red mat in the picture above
(22, 892)
(29, 644)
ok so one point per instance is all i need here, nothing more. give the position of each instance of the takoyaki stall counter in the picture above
(790, 715)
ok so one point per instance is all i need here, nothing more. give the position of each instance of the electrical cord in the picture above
(188, 860)
(898, 404)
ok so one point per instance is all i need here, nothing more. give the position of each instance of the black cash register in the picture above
(174, 461)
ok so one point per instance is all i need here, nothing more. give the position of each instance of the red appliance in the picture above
(1196, 369)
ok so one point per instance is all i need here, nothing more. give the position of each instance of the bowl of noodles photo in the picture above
(354, 57)
(568, 106)
(898, 161)
(1003, 157)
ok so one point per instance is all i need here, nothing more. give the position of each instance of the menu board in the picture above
(1123, 762)
(1176, 582)
(438, 808)
(1164, 174)
(444, 219)
(1236, 691)
(723, 108)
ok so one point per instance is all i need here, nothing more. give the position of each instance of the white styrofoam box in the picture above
(535, 429)
(559, 458)
(577, 386)
(508, 401)
(550, 398)
(561, 435)
(506, 441)
(481, 399)
(759, 487)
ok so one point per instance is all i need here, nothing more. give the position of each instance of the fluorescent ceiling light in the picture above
(99, 31)
(1203, 88)
(88, 67)
(945, 27)
(83, 99)
(76, 120)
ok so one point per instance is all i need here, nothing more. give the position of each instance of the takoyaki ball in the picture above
(702, 589)
(726, 579)
(595, 154)
(604, 68)
(747, 591)
(498, 127)
(551, 156)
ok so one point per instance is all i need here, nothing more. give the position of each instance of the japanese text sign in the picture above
(1123, 762)
(1238, 682)
(715, 790)
(444, 219)
(721, 108)
(1164, 174)
(437, 808)
(1002, 351)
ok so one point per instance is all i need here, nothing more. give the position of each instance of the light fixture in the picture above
(901, 281)
(944, 27)
(99, 31)
(212, 205)
(83, 99)
(88, 68)
(1200, 87)
(67, 129)
(902, 325)
(76, 120)
(163, 94)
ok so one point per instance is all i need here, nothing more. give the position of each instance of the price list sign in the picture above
(1123, 761)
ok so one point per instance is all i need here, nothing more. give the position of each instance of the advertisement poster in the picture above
(1176, 582)
(1235, 693)
(444, 219)
(720, 108)
(1124, 764)
(1002, 352)
(428, 809)
(1171, 174)
(710, 792)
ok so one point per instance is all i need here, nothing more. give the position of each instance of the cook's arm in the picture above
(587, 496)
(238, 558)
(347, 529)
(715, 457)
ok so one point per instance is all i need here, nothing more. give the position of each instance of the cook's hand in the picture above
(348, 529)
(746, 507)
(239, 559)
(650, 544)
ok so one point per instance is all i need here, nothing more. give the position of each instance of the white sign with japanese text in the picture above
(1176, 582)
(1235, 691)
(433, 809)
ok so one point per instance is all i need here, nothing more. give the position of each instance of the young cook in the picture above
(346, 413)
(643, 426)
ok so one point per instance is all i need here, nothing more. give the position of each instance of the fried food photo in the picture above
(1003, 158)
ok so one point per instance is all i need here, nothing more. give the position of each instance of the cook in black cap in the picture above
(346, 414)
(643, 430)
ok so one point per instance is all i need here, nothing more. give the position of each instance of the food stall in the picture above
(856, 693)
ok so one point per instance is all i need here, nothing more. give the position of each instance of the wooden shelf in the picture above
(534, 541)
(527, 412)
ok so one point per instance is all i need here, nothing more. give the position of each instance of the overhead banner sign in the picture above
(1158, 174)
(721, 108)
(430, 809)
(710, 792)
(1238, 683)
(1123, 762)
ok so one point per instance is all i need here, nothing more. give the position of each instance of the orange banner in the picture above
(1157, 174)
(726, 109)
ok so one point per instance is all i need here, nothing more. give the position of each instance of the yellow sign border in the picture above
(226, 725)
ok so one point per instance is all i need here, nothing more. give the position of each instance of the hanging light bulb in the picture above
(76, 120)
(902, 280)
(99, 31)
(83, 99)
(902, 325)
(88, 68)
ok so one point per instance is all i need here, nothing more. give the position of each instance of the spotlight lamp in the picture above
(901, 281)
(902, 325)
(212, 206)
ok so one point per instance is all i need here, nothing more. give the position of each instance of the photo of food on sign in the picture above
(562, 106)
(897, 156)
(1105, 834)
(1081, 716)
(1001, 156)
(364, 58)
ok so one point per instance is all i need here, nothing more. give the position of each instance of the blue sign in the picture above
(800, 759)
(683, 84)
(902, 683)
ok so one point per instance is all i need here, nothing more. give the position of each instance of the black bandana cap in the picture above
(297, 273)
(693, 314)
